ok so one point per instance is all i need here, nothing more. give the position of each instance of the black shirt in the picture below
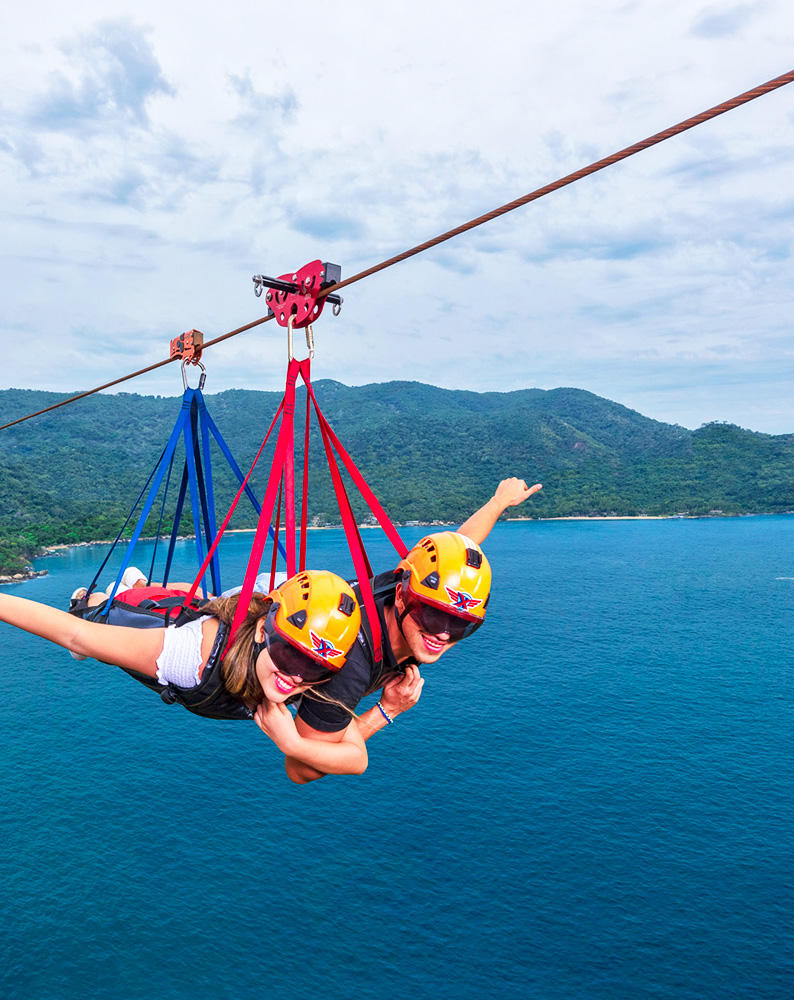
(360, 675)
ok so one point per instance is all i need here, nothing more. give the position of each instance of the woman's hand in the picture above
(401, 693)
(275, 720)
(513, 491)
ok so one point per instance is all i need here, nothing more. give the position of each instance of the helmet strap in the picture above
(259, 646)
(399, 616)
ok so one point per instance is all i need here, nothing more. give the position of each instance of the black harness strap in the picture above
(364, 638)
(209, 697)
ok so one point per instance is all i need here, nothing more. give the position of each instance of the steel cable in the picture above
(704, 116)
(141, 371)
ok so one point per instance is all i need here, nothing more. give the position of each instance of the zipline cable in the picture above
(704, 116)
(142, 371)
(607, 161)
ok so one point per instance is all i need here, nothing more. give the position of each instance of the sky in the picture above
(154, 157)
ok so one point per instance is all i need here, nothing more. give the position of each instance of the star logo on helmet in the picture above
(461, 601)
(322, 647)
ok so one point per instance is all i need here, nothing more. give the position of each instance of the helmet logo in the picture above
(323, 647)
(462, 601)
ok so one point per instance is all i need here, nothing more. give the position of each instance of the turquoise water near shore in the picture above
(593, 799)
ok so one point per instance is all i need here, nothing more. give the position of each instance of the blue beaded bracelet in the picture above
(383, 713)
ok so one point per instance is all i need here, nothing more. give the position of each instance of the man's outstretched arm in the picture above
(509, 493)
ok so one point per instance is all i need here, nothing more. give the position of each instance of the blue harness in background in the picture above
(194, 425)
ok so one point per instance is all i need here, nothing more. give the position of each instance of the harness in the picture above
(381, 593)
(281, 484)
(196, 428)
(209, 697)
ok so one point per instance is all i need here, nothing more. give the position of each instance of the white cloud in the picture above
(112, 74)
(152, 160)
(725, 20)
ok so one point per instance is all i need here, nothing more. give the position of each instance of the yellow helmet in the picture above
(448, 571)
(316, 613)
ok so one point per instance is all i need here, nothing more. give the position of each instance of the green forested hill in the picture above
(428, 453)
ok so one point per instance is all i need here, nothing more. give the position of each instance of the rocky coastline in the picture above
(26, 574)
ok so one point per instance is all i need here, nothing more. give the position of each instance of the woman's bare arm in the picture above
(399, 694)
(328, 753)
(135, 649)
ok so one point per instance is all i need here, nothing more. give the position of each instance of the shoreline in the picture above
(614, 517)
(716, 515)
(46, 550)
(62, 546)
(7, 578)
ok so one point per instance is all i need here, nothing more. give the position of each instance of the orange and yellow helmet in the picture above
(312, 623)
(449, 572)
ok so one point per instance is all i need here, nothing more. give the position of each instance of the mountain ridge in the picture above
(428, 453)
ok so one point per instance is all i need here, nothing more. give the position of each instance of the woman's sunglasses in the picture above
(292, 661)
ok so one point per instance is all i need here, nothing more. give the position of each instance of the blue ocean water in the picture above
(593, 799)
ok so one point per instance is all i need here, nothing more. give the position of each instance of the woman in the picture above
(291, 641)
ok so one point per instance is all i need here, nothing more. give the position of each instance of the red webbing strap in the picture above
(305, 500)
(289, 490)
(369, 497)
(359, 556)
(276, 471)
(274, 560)
(228, 517)
(346, 509)
(343, 499)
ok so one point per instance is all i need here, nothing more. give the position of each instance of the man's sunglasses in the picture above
(434, 621)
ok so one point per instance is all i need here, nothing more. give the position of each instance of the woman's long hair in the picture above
(238, 667)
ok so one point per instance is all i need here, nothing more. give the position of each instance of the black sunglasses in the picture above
(291, 660)
(434, 621)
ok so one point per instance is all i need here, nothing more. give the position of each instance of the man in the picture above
(436, 596)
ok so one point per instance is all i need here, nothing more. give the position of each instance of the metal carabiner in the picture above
(202, 378)
(309, 338)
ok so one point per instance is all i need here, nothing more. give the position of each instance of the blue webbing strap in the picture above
(210, 522)
(204, 483)
(192, 415)
(160, 522)
(157, 479)
(121, 530)
(211, 527)
(180, 503)
(190, 442)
